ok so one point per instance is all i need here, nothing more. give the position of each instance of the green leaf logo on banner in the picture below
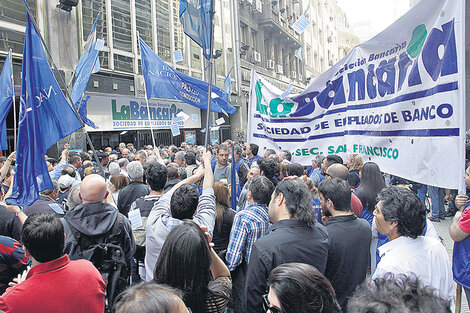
(417, 41)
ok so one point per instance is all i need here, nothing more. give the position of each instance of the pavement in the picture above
(442, 229)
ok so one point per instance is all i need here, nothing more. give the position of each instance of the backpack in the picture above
(145, 206)
(107, 256)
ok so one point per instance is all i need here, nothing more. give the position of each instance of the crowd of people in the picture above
(229, 228)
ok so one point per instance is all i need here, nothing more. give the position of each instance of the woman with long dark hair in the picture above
(299, 288)
(371, 184)
(224, 216)
(187, 262)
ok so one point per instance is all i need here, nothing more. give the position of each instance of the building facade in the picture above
(248, 34)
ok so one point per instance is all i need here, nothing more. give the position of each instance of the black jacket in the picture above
(95, 219)
(348, 255)
(43, 204)
(129, 194)
(10, 225)
(287, 241)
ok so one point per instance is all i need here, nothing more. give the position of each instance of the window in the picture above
(179, 32)
(163, 30)
(13, 11)
(143, 18)
(121, 19)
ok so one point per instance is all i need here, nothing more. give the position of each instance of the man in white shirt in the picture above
(401, 216)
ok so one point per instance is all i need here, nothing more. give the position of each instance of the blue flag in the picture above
(228, 84)
(7, 94)
(45, 118)
(195, 15)
(163, 81)
(89, 63)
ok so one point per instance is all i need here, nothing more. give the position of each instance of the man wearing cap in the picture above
(65, 183)
(46, 202)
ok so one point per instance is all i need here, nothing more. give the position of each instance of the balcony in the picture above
(277, 23)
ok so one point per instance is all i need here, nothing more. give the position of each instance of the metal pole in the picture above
(209, 93)
(67, 94)
(14, 102)
(146, 99)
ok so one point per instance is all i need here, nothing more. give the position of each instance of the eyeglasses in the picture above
(266, 306)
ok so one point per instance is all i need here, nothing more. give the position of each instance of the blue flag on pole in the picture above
(163, 81)
(7, 94)
(45, 118)
(228, 84)
(195, 15)
(89, 63)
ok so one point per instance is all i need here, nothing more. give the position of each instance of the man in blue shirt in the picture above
(316, 175)
(252, 153)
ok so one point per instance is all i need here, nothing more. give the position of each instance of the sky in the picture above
(367, 18)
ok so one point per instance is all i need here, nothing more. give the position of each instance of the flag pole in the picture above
(146, 99)
(14, 102)
(67, 94)
(209, 93)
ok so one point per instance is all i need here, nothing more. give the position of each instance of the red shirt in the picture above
(57, 286)
(464, 222)
(356, 205)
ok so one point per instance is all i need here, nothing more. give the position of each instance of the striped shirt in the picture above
(248, 225)
(13, 260)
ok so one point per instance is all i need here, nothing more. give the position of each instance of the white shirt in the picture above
(424, 257)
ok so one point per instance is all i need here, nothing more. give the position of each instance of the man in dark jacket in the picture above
(136, 189)
(293, 237)
(47, 202)
(173, 176)
(349, 237)
(95, 217)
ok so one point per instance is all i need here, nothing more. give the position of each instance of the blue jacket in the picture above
(461, 260)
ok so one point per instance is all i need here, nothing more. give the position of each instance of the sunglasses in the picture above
(328, 175)
(266, 306)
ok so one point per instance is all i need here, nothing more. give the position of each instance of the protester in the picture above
(248, 226)
(438, 210)
(204, 278)
(10, 223)
(397, 294)
(293, 237)
(252, 153)
(54, 283)
(141, 156)
(349, 239)
(224, 217)
(299, 288)
(47, 202)
(13, 261)
(98, 219)
(241, 167)
(173, 176)
(119, 182)
(181, 202)
(340, 171)
(285, 156)
(401, 216)
(371, 184)
(242, 201)
(150, 298)
(295, 169)
(65, 183)
(179, 158)
(316, 176)
(459, 232)
(223, 169)
(329, 160)
(355, 164)
(136, 189)
(269, 169)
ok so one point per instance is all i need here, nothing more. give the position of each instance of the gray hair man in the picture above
(136, 189)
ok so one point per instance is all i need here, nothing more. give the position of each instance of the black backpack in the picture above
(107, 256)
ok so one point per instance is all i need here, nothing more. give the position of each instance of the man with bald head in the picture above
(340, 171)
(95, 218)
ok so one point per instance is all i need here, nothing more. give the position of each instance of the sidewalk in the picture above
(442, 229)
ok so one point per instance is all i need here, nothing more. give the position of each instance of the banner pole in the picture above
(146, 99)
(67, 94)
(209, 93)
(14, 102)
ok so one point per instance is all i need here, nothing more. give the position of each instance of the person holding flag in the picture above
(45, 118)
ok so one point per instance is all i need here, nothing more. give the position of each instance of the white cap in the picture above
(65, 181)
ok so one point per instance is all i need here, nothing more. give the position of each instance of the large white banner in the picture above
(397, 99)
(111, 112)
